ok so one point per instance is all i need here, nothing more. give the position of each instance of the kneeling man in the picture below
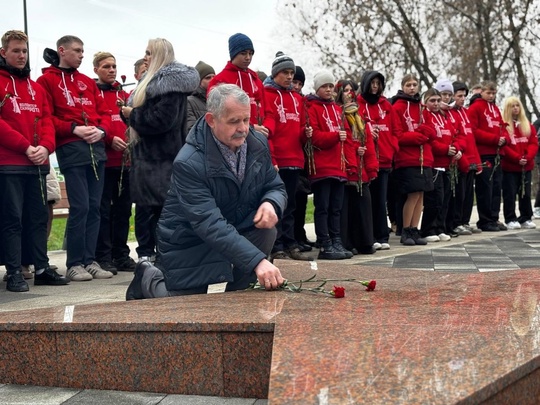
(218, 222)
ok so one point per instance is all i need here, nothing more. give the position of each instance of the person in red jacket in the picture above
(329, 175)
(491, 137)
(82, 122)
(447, 149)
(469, 165)
(286, 129)
(414, 159)
(362, 165)
(237, 72)
(383, 124)
(517, 166)
(26, 141)
(112, 251)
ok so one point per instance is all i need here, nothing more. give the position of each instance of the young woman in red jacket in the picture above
(383, 123)
(328, 180)
(517, 166)
(414, 159)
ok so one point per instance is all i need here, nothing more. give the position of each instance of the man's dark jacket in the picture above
(207, 208)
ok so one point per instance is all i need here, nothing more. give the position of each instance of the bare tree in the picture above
(467, 40)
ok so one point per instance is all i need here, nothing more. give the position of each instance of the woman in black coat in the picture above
(157, 118)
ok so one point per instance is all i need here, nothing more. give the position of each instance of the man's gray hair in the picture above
(219, 94)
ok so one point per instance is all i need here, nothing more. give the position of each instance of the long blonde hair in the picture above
(162, 54)
(523, 122)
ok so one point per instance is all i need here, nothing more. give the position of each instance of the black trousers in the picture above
(153, 282)
(301, 206)
(436, 205)
(379, 191)
(468, 200)
(285, 227)
(488, 193)
(454, 217)
(512, 184)
(328, 200)
(21, 200)
(84, 194)
(146, 219)
(357, 219)
(115, 211)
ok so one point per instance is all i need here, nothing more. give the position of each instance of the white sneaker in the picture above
(461, 230)
(473, 230)
(78, 273)
(444, 237)
(513, 225)
(377, 246)
(97, 272)
(536, 213)
(432, 238)
(528, 225)
(385, 246)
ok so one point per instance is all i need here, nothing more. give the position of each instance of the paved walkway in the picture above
(496, 251)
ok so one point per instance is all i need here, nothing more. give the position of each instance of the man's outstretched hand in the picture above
(268, 275)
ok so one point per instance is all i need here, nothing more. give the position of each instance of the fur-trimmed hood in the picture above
(175, 77)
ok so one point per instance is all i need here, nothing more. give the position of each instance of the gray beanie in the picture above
(282, 62)
(323, 77)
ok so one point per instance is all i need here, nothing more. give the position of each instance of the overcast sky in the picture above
(199, 30)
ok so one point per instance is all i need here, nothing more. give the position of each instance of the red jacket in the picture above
(286, 125)
(488, 126)
(248, 81)
(111, 93)
(325, 117)
(470, 155)
(520, 146)
(446, 135)
(70, 95)
(382, 116)
(24, 114)
(414, 133)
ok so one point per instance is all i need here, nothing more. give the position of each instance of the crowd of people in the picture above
(220, 166)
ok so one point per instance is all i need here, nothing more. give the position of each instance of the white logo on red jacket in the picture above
(66, 93)
(15, 104)
(82, 86)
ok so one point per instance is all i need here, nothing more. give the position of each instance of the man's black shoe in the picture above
(490, 228)
(50, 277)
(134, 291)
(108, 266)
(16, 283)
(304, 247)
(125, 264)
(501, 226)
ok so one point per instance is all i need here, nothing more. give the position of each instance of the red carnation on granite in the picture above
(370, 285)
(338, 291)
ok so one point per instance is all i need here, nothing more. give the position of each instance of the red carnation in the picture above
(123, 77)
(370, 285)
(338, 291)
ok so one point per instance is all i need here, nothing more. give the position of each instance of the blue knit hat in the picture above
(238, 43)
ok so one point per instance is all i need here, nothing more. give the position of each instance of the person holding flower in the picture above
(81, 122)
(112, 251)
(25, 144)
(517, 166)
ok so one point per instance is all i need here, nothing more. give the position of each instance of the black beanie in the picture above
(239, 43)
(300, 75)
(460, 86)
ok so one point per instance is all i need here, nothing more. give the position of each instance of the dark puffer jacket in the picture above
(161, 126)
(207, 207)
(196, 107)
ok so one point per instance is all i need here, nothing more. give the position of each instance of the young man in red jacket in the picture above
(286, 129)
(237, 72)
(491, 137)
(81, 121)
(112, 251)
(26, 142)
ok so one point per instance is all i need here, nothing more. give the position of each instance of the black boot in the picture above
(134, 291)
(406, 237)
(415, 235)
(329, 252)
(338, 245)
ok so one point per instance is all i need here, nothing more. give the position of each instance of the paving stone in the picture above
(91, 397)
(201, 400)
(11, 394)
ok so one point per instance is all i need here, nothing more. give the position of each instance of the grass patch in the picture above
(59, 225)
